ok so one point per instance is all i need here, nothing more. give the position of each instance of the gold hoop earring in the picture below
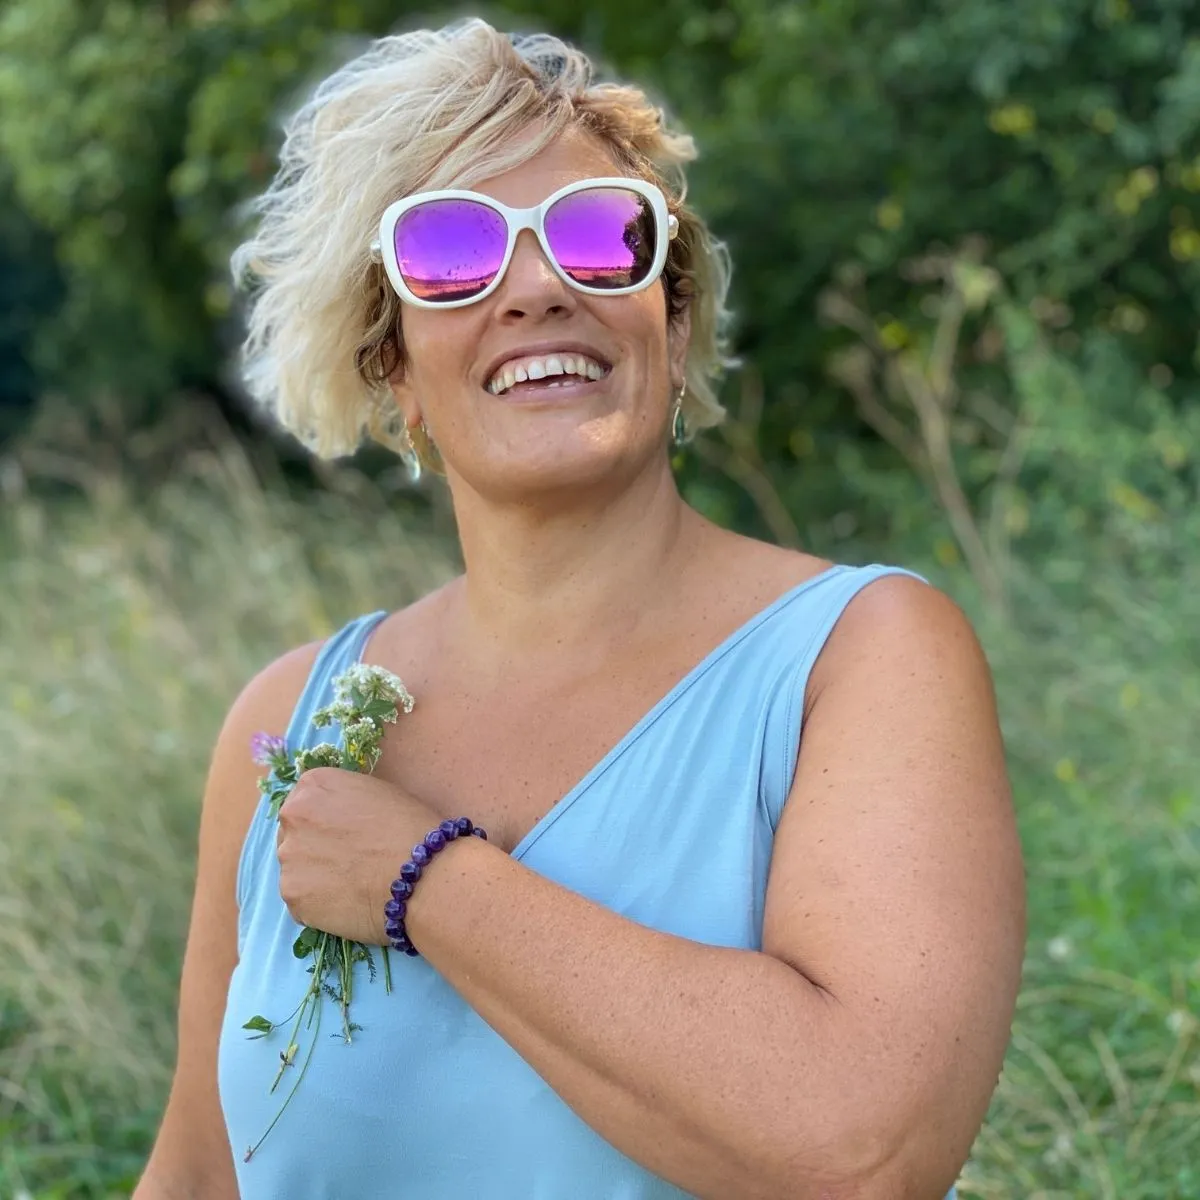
(679, 429)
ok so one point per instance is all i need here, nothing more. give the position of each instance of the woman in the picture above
(697, 954)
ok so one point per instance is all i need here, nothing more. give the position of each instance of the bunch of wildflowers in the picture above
(365, 699)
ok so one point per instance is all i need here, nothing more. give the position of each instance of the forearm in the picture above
(709, 1066)
(190, 1161)
(160, 1183)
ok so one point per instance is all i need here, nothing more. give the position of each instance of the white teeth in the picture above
(515, 371)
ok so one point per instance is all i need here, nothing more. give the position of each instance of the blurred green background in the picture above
(966, 238)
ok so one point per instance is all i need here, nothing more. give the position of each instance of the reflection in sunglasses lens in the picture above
(450, 249)
(603, 237)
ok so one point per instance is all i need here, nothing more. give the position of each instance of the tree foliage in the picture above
(842, 140)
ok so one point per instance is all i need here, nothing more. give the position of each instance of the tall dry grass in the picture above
(126, 629)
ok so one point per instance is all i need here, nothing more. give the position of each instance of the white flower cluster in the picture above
(325, 754)
(376, 683)
(361, 732)
(341, 711)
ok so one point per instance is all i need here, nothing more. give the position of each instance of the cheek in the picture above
(420, 340)
(437, 348)
(640, 321)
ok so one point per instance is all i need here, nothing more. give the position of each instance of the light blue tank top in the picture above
(672, 828)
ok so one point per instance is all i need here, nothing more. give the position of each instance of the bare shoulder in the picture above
(903, 629)
(264, 705)
(266, 702)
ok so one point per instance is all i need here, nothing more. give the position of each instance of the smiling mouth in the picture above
(537, 374)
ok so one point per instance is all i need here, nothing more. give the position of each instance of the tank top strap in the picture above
(800, 636)
(338, 652)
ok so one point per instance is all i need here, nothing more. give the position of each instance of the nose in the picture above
(531, 288)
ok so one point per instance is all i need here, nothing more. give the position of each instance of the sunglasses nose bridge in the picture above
(531, 281)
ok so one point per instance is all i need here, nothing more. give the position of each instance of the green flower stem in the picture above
(313, 993)
(346, 972)
(299, 1080)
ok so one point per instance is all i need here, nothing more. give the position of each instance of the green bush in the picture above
(1064, 133)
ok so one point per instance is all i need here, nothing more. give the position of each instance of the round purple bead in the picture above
(396, 908)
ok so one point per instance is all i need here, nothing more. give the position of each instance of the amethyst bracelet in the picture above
(397, 907)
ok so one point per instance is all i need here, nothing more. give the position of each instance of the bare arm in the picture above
(855, 1055)
(192, 1159)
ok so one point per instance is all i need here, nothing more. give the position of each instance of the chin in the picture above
(559, 468)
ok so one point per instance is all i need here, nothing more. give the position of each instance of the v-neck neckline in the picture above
(644, 722)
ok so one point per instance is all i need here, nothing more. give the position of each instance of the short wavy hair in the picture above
(415, 111)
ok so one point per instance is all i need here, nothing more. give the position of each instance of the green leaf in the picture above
(277, 798)
(306, 943)
(259, 1025)
(378, 709)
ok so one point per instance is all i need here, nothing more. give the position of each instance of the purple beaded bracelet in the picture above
(396, 908)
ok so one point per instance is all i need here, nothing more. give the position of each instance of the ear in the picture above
(405, 397)
(679, 337)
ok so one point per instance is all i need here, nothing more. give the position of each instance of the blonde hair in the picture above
(416, 111)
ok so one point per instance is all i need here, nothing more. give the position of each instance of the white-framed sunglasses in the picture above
(605, 237)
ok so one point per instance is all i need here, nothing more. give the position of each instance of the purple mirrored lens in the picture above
(603, 237)
(450, 249)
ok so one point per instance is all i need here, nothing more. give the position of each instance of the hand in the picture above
(343, 837)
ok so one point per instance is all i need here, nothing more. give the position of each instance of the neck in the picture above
(543, 581)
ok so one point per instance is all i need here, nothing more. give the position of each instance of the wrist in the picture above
(412, 874)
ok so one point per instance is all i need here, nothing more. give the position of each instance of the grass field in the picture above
(126, 630)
